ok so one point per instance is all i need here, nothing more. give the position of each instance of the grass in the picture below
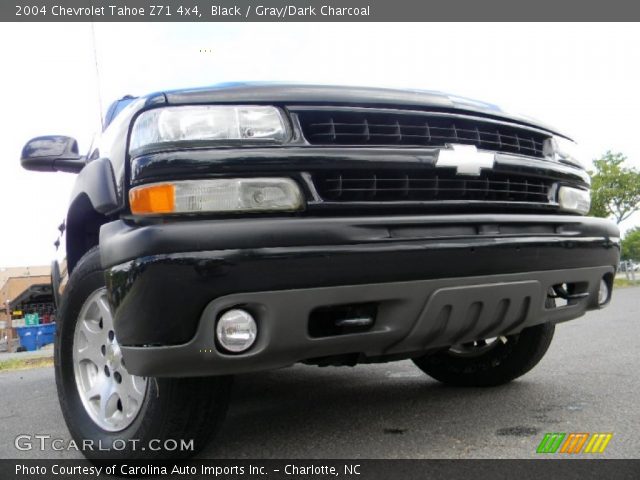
(24, 363)
(623, 282)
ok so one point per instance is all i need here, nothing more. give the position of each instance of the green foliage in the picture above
(631, 245)
(615, 188)
(623, 282)
(22, 363)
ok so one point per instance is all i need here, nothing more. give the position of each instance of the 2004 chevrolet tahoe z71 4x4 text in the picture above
(246, 227)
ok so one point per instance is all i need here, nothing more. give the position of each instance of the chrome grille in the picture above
(373, 127)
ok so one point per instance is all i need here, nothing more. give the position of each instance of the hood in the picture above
(303, 94)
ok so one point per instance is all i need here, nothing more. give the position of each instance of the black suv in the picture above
(246, 227)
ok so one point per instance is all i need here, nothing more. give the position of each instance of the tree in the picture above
(631, 245)
(615, 188)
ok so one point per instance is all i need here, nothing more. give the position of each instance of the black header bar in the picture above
(315, 10)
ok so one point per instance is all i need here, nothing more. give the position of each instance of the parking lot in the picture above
(588, 382)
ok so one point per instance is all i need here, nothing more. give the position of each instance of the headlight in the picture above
(574, 200)
(208, 124)
(218, 195)
(563, 150)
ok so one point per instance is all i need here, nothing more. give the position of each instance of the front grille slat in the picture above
(524, 186)
(425, 185)
(361, 127)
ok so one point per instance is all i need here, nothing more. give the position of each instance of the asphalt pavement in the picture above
(589, 381)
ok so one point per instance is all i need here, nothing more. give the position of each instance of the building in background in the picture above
(25, 295)
(13, 272)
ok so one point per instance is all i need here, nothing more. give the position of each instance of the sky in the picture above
(581, 78)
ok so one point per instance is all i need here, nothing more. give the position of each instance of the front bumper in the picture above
(435, 281)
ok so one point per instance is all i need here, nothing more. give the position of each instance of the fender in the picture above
(93, 201)
(97, 181)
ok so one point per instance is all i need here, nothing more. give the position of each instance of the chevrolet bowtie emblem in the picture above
(465, 158)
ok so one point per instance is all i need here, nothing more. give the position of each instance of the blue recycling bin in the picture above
(46, 334)
(28, 337)
(35, 336)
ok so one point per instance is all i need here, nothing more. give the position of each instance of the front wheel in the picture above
(109, 412)
(489, 362)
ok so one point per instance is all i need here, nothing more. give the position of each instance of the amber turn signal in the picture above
(150, 199)
(221, 195)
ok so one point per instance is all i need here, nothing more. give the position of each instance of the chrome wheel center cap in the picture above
(113, 356)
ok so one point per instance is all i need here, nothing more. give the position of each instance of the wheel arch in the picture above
(94, 202)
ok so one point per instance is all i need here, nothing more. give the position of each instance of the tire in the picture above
(135, 417)
(506, 359)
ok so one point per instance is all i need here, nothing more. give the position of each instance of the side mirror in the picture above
(52, 153)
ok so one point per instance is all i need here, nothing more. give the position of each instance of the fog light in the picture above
(603, 293)
(236, 330)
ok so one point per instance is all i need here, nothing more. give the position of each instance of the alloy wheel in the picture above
(110, 395)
